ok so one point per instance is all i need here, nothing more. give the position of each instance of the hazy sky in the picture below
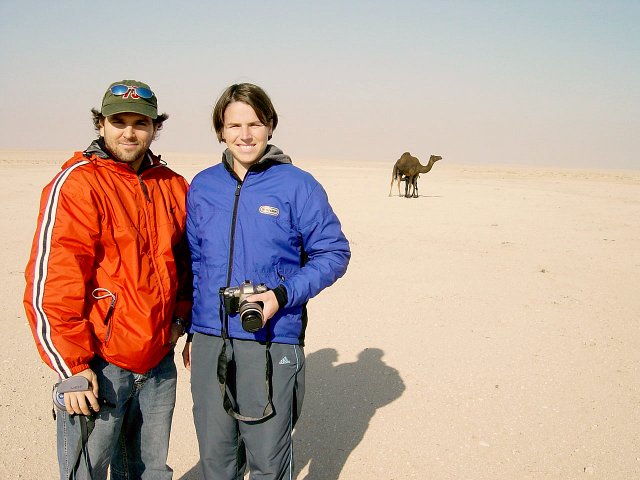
(529, 82)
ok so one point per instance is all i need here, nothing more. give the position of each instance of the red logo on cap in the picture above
(131, 92)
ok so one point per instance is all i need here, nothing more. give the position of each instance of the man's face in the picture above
(128, 136)
(245, 135)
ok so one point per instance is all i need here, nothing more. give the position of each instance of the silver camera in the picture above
(71, 384)
(235, 301)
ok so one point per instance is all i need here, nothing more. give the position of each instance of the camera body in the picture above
(235, 301)
(71, 384)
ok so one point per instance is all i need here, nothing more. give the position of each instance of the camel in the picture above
(410, 167)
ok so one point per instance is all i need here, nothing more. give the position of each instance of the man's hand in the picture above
(270, 304)
(186, 355)
(78, 402)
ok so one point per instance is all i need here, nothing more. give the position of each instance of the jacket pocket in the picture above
(283, 272)
(104, 294)
(281, 276)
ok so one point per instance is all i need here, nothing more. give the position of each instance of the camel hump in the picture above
(407, 156)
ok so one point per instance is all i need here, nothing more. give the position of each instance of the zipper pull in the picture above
(144, 189)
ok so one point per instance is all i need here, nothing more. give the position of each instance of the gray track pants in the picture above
(222, 439)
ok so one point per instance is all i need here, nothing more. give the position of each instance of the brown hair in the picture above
(247, 93)
(98, 118)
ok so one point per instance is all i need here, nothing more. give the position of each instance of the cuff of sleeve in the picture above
(281, 295)
(79, 368)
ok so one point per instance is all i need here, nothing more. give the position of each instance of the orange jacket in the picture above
(109, 266)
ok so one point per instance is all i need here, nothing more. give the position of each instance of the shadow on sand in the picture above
(339, 402)
(419, 196)
(424, 196)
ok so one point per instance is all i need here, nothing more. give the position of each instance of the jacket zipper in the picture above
(225, 329)
(154, 248)
(112, 306)
(107, 321)
(144, 188)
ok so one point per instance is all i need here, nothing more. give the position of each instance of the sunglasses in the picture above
(135, 92)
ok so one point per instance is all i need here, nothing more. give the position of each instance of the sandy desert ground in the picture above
(485, 330)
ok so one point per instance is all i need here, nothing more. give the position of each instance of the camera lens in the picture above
(58, 399)
(251, 316)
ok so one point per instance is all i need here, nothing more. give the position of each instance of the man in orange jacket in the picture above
(109, 293)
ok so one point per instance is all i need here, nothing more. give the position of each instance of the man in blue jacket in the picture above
(263, 237)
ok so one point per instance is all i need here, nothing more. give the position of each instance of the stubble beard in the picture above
(127, 157)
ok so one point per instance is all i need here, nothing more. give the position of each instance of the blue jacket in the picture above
(276, 227)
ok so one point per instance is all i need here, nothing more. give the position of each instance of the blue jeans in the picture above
(131, 434)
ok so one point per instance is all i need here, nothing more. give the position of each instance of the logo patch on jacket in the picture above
(267, 210)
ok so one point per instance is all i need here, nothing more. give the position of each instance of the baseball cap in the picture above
(130, 96)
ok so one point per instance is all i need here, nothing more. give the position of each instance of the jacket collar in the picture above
(98, 149)
(271, 155)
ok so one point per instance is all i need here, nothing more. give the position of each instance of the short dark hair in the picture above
(98, 118)
(252, 95)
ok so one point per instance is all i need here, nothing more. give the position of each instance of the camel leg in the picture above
(393, 179)
(407, 184)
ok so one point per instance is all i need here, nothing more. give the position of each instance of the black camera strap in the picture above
(227, 401)
(86, 427)
(223, 373)
(224, 316)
